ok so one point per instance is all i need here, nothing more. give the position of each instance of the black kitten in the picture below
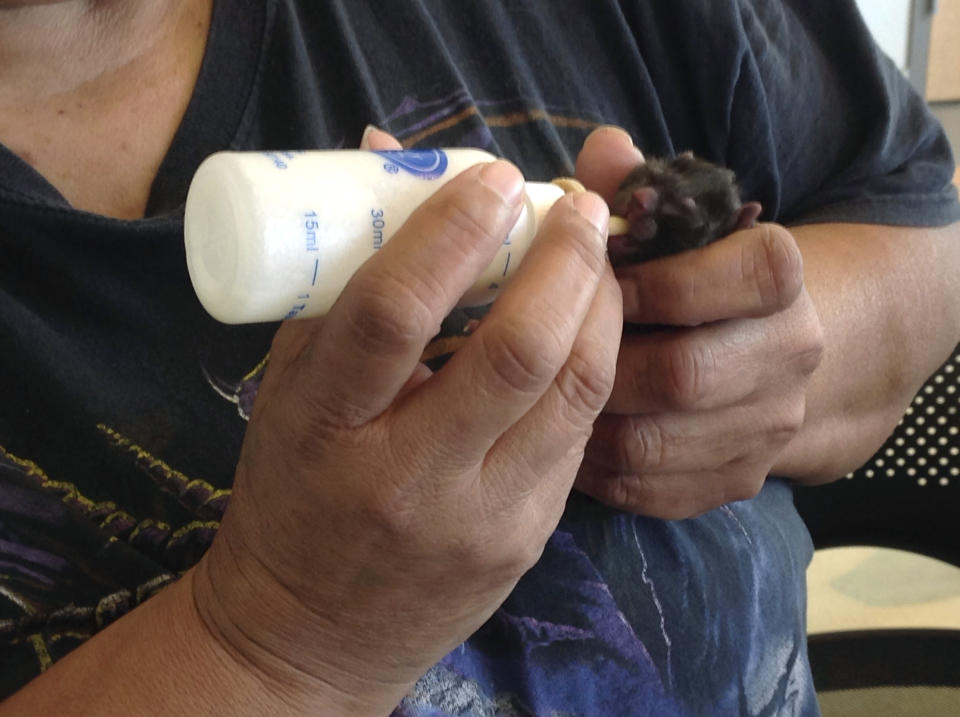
(672, 205)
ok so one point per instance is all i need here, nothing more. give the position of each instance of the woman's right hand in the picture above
(382, 513)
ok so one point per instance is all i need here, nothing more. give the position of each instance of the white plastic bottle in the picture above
(277, 235)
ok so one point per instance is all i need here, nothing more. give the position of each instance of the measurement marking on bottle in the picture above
(295, 311)
(310, 225)
(507, 265)
(378, 225)
(316, 270)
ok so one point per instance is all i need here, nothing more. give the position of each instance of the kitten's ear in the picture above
(747, 216)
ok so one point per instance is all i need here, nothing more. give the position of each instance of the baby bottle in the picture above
(277, 235)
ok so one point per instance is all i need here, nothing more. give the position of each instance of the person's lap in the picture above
(626, 615)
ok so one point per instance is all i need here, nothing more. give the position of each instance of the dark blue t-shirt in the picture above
(123, 404)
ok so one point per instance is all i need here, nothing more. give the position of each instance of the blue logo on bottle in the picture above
(422, 163)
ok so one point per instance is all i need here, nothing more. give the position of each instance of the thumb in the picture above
(375, 138)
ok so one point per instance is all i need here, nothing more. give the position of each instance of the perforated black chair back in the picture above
(908, 495)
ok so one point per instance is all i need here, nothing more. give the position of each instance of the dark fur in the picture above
(677, 204)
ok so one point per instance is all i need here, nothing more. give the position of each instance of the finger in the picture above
(725, 363)
(607, 156)
(669, 443)
(698, 369)
(526, 338)
(756, 272)
(373, 336)
(376, 139)
(547, 443)
(670, 497)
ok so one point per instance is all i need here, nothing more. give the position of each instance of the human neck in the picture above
(50, 47)
(92, 92)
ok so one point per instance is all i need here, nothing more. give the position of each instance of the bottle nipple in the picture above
(569, 185)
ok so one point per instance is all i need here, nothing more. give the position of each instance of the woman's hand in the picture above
(714, 367)
(380, 513)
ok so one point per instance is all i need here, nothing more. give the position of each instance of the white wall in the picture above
(889, 20)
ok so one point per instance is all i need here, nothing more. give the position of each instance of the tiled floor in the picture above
(856, 588)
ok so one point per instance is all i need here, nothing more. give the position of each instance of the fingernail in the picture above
(615, 128)
(592, 208)
(503, 178)
(365, 138)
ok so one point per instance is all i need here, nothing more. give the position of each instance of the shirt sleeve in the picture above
(825, 128)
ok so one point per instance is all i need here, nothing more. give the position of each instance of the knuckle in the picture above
(525, 553)
(645, 496)
(811, 354)
(773, 267)
(389, 316)
(312, 425)
(643, 445)
(462, 222)
(619, 492)
(631, 493)
(586, 381)
(503, 555)
(394, 498)
(395, 516)
(688, 375)
(746, 487)
(521, 354)
(790, 420)
(299, 421)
